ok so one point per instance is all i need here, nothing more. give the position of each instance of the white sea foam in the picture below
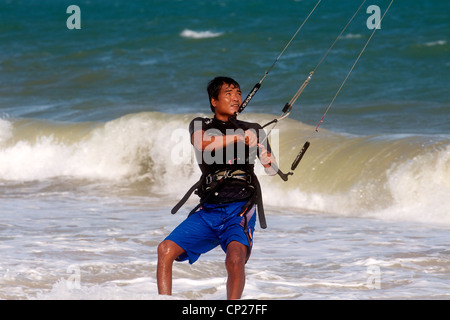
(191, 34)
(67, 245)
(353, 36)
(5, 131)
(435, 43)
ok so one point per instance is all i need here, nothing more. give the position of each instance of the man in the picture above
(225, 149)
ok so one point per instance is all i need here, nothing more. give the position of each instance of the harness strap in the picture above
(256, 198)
(186, 196)
(259, 203)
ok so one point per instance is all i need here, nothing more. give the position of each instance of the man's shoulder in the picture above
(202, 120)
(199, 122)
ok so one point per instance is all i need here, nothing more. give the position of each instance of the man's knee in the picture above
(169, 250)
(236, 255)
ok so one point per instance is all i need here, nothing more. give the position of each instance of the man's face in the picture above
(228, 102)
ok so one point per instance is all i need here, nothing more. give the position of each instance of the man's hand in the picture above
(250, 138)
(267, 160)
(264, 156)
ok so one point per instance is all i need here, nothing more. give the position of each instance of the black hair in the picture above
(215, 85)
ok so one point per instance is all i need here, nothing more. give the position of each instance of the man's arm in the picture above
(206, 142)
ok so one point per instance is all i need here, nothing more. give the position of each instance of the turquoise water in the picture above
(94, 149)
(133, 56)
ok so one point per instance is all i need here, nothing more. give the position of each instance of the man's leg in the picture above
(168, 251)
(235, 264)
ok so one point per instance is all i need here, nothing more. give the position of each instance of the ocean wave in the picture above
(352, 36)
(191, 34)
(385, 176)
(5, 130)
(435, 43)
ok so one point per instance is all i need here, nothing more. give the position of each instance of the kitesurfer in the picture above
(230, 195)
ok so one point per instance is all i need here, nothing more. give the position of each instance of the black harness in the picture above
(214, 185)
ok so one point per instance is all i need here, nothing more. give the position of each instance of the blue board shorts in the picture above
(212, 225)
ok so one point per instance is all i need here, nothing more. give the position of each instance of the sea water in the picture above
(94, 149)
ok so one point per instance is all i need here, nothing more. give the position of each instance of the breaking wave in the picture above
(191, 34)
(404, 177)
